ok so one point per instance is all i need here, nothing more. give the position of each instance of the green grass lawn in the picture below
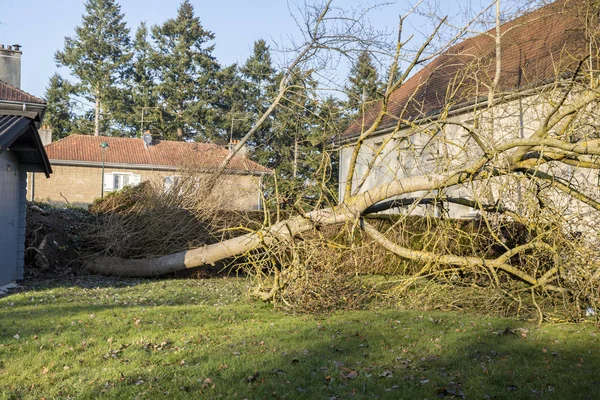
(206, 339)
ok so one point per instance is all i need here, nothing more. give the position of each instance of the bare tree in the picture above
(494, 141)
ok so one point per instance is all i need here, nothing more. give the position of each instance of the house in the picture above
(21, 151)
(426, 128)
(87, 167)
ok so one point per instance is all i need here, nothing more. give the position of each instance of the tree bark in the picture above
(97, 114)
(350, 210)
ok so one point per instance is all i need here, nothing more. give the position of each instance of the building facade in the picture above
(88, 167)
(21, 151)
(427, 129)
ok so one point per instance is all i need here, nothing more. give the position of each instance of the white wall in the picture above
(432, 148)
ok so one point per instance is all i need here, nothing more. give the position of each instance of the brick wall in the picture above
(82, 185)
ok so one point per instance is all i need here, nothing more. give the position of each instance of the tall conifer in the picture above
(98, 56)
(143, 98)
(260, 86)
(187, 74)
(364, 84)
(59, 112)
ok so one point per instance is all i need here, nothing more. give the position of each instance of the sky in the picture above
(41, 26)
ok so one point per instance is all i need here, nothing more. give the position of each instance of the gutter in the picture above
(148, 167)
(24, 107)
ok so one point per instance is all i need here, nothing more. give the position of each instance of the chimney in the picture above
(10, 65)
(243, 152)
(147, 138)
(45, 132)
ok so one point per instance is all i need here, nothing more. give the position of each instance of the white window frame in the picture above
(174, 179)
(112, 182)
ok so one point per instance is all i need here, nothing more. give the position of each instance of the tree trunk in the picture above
(211, 254)
(498, 47)
(295, 165)
(97, 114)
(282, 231)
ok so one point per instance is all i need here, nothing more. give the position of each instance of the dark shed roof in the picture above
(19, 134)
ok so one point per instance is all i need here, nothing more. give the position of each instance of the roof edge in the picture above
(150, 167)
(458, 109)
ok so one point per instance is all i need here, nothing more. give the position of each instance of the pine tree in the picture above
(59, 111)
(384, 79)
(187, 74)
(98, 56)
(260, 76)
(259, 89)
(258, 69)
(293, 142)
(233, 116)
(324, 161)
(299, 150)
(145, 112)
(364, 84)
(287, 146)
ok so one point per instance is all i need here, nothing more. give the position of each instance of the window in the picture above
(170, 181)
(118, 180)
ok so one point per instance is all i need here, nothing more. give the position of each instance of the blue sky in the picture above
(41, 25)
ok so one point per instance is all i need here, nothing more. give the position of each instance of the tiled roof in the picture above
(11, 93)
(165, 153)
(534, 47)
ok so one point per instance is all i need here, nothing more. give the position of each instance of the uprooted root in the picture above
(54, 240)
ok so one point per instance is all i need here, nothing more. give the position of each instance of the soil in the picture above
(58, 245)
(54, 240)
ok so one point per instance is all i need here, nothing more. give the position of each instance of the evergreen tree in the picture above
(261, 78)
(364, 84)
(145, 112)
(233, 116)
(258, 69)
(98, 56)
(384, 79)
(59, 111)
(314, 165)
(187, 75)
(324, 159)
(259, 88)
(288, 147)
(293, 142)
(306, 166)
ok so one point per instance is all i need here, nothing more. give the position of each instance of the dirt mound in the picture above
(54, 239)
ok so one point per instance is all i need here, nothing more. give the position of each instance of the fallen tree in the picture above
(498, 170)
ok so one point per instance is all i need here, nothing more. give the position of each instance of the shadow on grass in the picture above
(83, 281)
(514, 370)
(226, 268)
(249, 351)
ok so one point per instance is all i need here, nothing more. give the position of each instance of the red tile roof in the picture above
(534, 47)
(11, 93)
(162, 153)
